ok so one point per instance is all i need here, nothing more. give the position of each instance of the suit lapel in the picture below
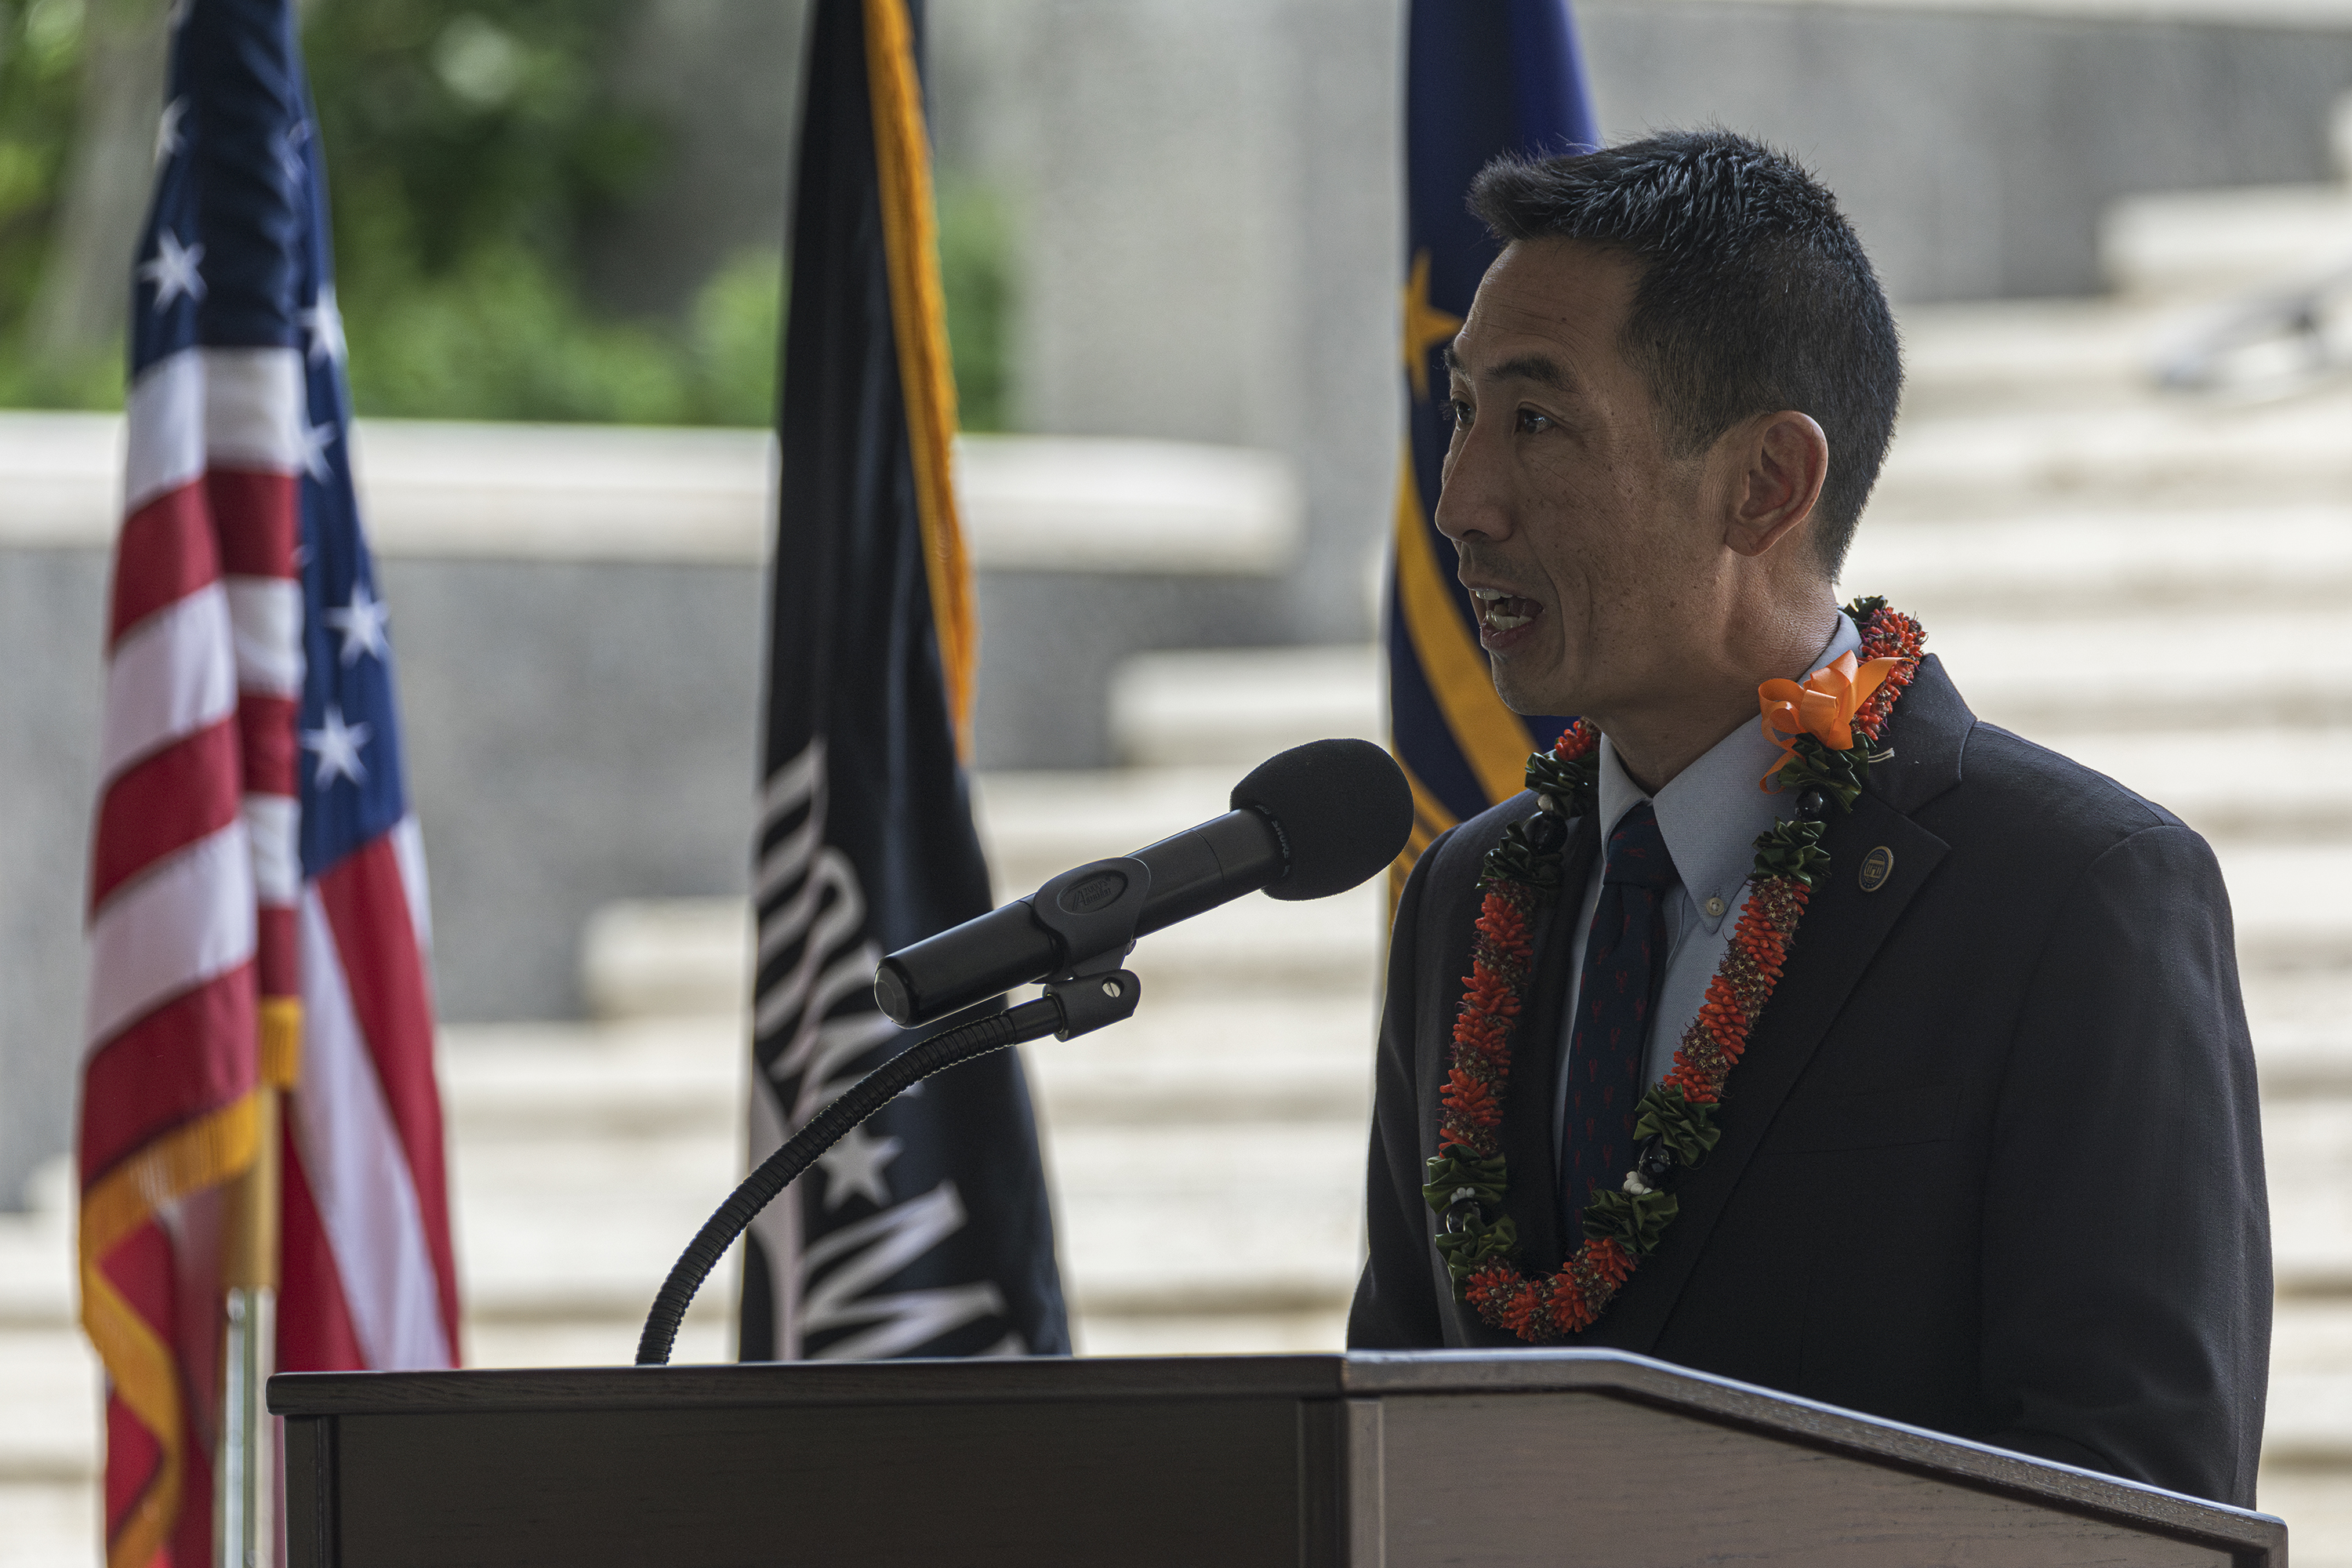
(1841, 932)
(1533, 1200)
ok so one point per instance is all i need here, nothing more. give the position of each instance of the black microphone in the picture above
(1314, 821)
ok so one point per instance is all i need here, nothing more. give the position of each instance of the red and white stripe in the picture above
(203, 670)
(190, 843)
(367, 1239)
(248, 462)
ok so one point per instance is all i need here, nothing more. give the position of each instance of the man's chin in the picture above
(1527, 697)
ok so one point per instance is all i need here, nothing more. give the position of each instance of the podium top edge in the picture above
(1332, 1375)
(1356, 1374)
(906, 1381)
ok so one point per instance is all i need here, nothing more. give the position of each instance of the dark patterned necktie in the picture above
(1624, 961)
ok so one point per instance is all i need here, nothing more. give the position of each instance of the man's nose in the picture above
(1471, 502)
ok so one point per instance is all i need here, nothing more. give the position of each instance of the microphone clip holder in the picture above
(1091, 912)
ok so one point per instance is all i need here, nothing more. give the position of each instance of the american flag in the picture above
(257, 911)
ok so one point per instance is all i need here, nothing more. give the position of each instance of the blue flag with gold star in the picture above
(1480, 80)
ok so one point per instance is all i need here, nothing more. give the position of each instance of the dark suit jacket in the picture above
(1993, 1163)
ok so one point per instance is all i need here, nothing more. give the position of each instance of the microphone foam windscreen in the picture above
(1342, 808)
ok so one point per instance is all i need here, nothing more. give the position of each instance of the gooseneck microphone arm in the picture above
(1091, 910)
(1029, 1021)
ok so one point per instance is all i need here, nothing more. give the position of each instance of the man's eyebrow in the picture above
(1537, 368)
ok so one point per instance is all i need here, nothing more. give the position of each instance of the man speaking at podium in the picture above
(1795, 1025)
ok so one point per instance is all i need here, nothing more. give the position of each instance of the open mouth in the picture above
(1499, 612)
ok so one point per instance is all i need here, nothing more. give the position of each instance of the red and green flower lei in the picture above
(1674, 1124)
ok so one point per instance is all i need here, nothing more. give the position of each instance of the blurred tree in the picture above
(736, 319)
(80, 84)
(976, 275)
(472, 147)
(469, 146)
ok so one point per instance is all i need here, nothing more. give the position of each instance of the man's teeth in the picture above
(1501, 612)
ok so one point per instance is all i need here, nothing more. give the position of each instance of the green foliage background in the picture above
(40, 81)
(472, 147)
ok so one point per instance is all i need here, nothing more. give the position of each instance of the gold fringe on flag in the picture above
(198, 1154)
(281, 1041)
(902, 157)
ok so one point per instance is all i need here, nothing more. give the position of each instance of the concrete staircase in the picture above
(49, 1390)
(2192, 556)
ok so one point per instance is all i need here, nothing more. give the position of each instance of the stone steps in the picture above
(2276, 687)
(37, 1256)
(2093, 561)
(2305, 794)
(2241, 607)
(2174, 451)
(50, 1383)
(2197, 245)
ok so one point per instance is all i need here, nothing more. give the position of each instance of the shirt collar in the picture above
(1712, 812)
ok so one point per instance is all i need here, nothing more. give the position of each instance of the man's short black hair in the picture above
(1755, 294)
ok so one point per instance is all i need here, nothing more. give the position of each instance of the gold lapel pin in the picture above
(1876, 866)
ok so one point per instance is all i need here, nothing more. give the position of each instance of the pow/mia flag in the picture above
(927, 1231)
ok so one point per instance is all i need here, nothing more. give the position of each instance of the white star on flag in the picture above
(338, 745)
(168, 140)
(855, 1165)
(316, 438)
(172, 270)
(324, 322)
(361, 625)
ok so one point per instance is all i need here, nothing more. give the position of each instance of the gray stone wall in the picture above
(52, 622)
(577, 732)
(1975, 151)
(1050, 641)
(1205, 197)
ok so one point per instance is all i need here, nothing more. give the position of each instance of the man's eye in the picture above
(1532, 423)
(1454, 413)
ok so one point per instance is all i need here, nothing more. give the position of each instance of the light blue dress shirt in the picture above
(1710, 815)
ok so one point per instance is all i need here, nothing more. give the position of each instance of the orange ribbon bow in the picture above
(1823, 707)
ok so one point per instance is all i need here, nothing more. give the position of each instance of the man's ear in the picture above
(1783, 458)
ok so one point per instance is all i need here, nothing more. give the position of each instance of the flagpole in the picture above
(246, 1509)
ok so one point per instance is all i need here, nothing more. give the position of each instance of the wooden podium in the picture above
(1551, 1458)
